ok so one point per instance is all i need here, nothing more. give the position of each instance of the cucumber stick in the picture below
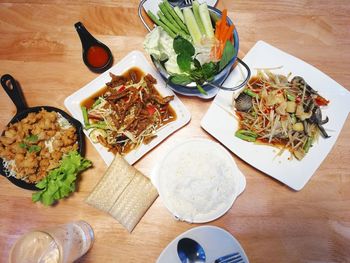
(195, 7)
(205, 17)
(192, 25)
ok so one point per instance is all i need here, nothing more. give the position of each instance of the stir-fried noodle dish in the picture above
(287, 114)
(127, 112)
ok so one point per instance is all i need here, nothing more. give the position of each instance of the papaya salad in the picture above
(190, 43)
(127, 112)
(275, 111)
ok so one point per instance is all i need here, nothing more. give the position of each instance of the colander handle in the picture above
(141, 15)
(238, 86)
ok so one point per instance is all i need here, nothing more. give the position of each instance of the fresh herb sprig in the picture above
(193, 70)
(60, 182)
(29, 144)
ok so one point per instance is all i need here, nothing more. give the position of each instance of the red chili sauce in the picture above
(97, 56)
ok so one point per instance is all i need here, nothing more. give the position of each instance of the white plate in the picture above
(215, 241)
(194, 166)
(133, 59)
(222, 124)
(152, 5)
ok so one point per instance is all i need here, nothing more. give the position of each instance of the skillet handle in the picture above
(13, 89)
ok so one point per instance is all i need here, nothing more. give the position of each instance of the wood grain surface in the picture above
(40, 48)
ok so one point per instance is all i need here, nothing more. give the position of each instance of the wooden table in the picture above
(40, 48)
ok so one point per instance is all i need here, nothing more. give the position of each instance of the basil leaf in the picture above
(23, 145)
(180, 79)
(196, 74)
(196, 63)
(34, 148)
(184, 62)
(32, 138)
(183, 46)
(227, 55)
(209, 70)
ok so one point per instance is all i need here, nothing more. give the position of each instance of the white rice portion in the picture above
(197, 182)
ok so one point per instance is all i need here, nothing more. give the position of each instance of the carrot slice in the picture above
(224, 16)
(217, 28)
(223, 32)
(228, 33)
(222, 22)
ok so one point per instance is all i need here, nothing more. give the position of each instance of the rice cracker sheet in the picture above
(124, 193)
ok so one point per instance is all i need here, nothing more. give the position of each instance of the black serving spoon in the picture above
(13, 90)
(96, 55)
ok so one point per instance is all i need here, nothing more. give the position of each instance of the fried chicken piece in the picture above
(17, 145)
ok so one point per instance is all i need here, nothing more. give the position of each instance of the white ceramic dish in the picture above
(216, 242)
(186, 175)
(220, 121)
(133, 59)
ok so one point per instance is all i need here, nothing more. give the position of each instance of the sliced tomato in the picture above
(321, 101)
(151, 109)
(121, 88)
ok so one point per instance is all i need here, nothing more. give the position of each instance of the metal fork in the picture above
(230, 258)
(188, 2)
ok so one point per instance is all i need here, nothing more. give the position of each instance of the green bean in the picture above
(160, 23)
(85, 115)
(163, 18)
(251, 93)
(307, 144)
(200, 89)
(169, 18)
(290, 96)
(99, 125)
(246, 135)
(171, 26)
(97, 102)
(175, 16)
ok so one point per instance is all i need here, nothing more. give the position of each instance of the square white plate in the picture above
(133, 59)
(220, 121)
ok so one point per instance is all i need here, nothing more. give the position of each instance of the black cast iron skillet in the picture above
(13, 89)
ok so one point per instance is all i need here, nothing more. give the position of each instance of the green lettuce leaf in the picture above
(60, 182)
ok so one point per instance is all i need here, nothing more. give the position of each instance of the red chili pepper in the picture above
(151, 109)
(121, 88)
(320, 101)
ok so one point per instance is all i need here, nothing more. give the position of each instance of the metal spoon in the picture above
(190, 251)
